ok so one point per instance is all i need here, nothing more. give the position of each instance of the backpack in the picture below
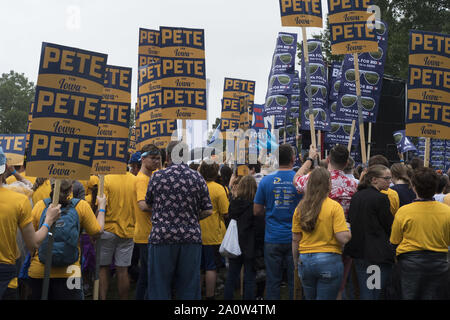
(66, 234)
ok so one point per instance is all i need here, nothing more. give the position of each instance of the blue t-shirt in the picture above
(277, 193)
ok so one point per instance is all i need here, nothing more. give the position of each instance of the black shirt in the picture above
(405, 194)
(371, 221)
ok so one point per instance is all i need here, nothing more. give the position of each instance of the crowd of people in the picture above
(327, 230)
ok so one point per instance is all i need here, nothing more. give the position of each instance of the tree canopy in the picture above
(16, 95)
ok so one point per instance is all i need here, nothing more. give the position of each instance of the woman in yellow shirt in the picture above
(319, 231)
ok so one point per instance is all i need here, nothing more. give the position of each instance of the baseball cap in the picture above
(2, 161)
(135, 157)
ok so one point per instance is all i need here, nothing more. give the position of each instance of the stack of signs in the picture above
(427, 113)
(319, 89)
(339, 127)
(282, 78)
(14, 148)
(149, 50)
(110, 156)
(439, 153)
(132, 147)
(371, 70)
(402, 142)
(258, 133)
(183, 73)
(233, 90)
(294, 107)
(66, 112)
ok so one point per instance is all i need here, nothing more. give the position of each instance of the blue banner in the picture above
(402, 141)
(371, 71)
(319, 89)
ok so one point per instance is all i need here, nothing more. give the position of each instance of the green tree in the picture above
(401, 17)
(16, 95)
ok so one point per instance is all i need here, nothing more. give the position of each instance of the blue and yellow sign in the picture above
(110, 153)
(233, 90)
(351, 28)
(66, 112)
(14, 148)
(301, 13)
(29, 120)
(149, 92)
(183, 73)
(148, 46)
(157, 132)
(428, 110)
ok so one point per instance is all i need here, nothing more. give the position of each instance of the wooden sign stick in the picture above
(360, 117)
(101, 185)
(369, 140)
(308, 86)
(352, 132)
(426, 158)
(48, 258)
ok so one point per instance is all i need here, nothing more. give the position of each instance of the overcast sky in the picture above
(239, 34)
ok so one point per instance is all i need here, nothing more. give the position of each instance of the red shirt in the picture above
(342, 188)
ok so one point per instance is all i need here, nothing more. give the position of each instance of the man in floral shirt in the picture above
(342, 188)
(178, 198)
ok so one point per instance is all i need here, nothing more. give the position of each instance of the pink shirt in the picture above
(342, 188)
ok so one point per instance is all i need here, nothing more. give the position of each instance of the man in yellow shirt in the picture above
(117, 239)
(150, 162)
(421, 231)
(15, 211)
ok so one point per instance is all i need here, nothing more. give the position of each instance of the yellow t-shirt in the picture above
(213, 228)
(422, 225)
(394, 200)
(143, 224)
(331, 220)
(119, 218)
(88, 184)
(43, 192)
(12, 178)
(15, 211)
(88, 222)
(447, 199)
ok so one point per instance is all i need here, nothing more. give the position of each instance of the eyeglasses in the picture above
(315, 89)
(386, 178)
(336, 126)
(333, 107)
(282, 79)
(349, 100)
(377, 55)
(323, 114)
(371, 77)
(314, 67)
(280, 100)
(287, 39)
(285, 58)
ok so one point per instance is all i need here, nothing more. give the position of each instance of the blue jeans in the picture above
(142, 283)
(371, 282)
(321, 275)
(233, 275)
(276, 257)
(174, 265)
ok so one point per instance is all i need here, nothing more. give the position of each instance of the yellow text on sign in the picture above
(59, 101)
(347, 4)
(113, 112)
(65, 60)
(110, 148)
(180, 96)
(310, 6)
(350, 31)
(54, 146)
(425, 77)
(192, 37)
(239, 85)
(118, 76)
(430, 42)
(429, 111)
(16, 142)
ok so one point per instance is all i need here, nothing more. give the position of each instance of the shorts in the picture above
(119, 248)
(211, 258)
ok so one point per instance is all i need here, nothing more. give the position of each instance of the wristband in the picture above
(102, 210)
(48, 227)
(312, 161)
(401, 160)
(14, 172)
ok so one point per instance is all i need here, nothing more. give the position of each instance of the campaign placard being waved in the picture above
(149, 92)
(301, 13)
(14, 148)
(319, 89)
(66, 111)
(402, 142)
(233, 90)
(183, 73)
(371, 71)
(428, 108)
(350, 26)
(149, 49)
(110, 153)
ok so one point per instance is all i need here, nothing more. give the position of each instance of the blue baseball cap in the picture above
(2, 161)
(135, 158)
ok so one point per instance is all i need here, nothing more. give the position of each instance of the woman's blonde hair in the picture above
(246, 188)
(317, 190)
